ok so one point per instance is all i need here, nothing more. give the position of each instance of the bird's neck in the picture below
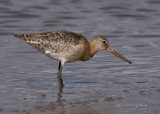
(90, 51)
(93, 49)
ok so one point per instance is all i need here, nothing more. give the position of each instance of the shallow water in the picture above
(104, 84)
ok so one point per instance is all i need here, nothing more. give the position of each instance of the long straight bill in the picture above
(118, 55)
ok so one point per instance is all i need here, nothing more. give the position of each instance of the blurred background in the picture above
(104, 84)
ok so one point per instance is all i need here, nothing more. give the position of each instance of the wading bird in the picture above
(66, 46)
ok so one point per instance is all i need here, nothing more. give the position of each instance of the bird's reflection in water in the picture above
(60, 84)
(59, 95)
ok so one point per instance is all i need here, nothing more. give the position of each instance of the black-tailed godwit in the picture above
(66, 46)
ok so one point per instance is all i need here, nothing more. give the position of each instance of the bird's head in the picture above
(101, 43)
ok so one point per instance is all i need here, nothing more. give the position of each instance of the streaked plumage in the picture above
(60, 45)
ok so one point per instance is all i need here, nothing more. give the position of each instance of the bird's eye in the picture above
(104, 42)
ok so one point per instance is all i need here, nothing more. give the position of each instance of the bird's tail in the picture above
(21, 36)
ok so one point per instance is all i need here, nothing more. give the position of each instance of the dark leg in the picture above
(59, 76)
(59, 67)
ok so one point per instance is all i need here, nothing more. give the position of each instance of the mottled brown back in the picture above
(57, 41)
